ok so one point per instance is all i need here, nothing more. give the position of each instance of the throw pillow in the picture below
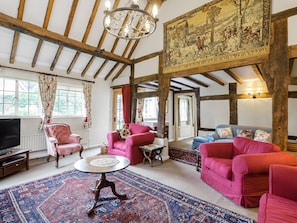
(244, 133)
(225, 133)
(263, 136)
(124, 132)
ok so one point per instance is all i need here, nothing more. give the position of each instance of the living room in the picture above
(258, 111)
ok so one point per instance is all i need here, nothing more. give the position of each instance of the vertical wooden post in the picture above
(133, 89)
(279, 70)
(163, 89)
(233, 104)
(198, 113)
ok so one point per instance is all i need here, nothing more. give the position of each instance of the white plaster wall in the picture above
(214, 112)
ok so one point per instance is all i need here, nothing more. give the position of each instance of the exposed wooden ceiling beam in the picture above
(180, 83)
(233, 75)
(45, 25)
(147, 78)
(209, 76)
(147, 57)
(86, 35)
(196, 81)
(17, 34)
(41, 33)
(284, 14)
(257, 71)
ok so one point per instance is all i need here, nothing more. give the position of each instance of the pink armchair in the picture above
(240, 169)
(279, 204)
(60, 141)
(129, 147)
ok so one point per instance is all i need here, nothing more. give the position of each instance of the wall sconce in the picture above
(254, 93)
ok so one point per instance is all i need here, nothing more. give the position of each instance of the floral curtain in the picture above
(87, 89)
(139, 109)
(47, 88)
(126, 103)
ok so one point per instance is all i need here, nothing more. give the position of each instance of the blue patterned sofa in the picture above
(226, 133)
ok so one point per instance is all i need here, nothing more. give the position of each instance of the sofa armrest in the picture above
(112, 137)
(260, 163)
(217, 149)
(283, 181)
(140, 139)
(212, 137)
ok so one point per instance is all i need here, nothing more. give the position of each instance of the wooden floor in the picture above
(183, 144)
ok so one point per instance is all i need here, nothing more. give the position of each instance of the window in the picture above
(150, 108)
(19, 97)
(184, 114)
(69, 101)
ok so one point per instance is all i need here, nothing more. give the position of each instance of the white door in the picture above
(185, 115)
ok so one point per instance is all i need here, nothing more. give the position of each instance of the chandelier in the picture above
(130, 22)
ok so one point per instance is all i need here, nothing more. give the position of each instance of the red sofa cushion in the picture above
(138, 128)
(222, 167)
(243, 145)
(275, 209)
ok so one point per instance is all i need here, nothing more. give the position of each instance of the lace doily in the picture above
(104, 162)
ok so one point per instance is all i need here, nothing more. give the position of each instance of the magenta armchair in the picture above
(61, 142)
(240, 169)
(279, 204)
(129, 147)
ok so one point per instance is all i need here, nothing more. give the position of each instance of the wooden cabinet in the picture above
(14, 161)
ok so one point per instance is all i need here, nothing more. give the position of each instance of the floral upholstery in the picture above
(60, 141)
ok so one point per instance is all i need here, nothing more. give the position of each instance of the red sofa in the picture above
(129, 147)
(240, 169)
(279, 205)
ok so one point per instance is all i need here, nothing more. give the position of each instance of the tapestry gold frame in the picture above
(217, 32)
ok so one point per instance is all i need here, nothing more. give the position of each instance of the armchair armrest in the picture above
(217, 149)
(75, 138)
(52, 140)
(283, 181)
(112, 137)
(260, 163)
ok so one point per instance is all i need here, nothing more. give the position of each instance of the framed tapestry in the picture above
(218, 32)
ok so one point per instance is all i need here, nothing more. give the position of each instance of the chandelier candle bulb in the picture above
(107, 5)
(155, 11)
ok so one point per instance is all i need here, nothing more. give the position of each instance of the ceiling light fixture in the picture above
(130, 22)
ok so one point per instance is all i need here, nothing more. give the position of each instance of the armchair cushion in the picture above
(243, 145)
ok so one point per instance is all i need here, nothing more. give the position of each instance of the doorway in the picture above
(184, 117)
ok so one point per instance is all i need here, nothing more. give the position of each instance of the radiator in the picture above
(34, 142)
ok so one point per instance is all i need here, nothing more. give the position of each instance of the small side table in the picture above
(151, 152)
(292, 145)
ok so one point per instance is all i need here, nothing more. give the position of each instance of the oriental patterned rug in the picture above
(67, 196)
(182, 151)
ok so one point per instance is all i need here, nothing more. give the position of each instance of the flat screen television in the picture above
(9, 134)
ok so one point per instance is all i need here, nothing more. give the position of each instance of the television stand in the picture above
(14, 161)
